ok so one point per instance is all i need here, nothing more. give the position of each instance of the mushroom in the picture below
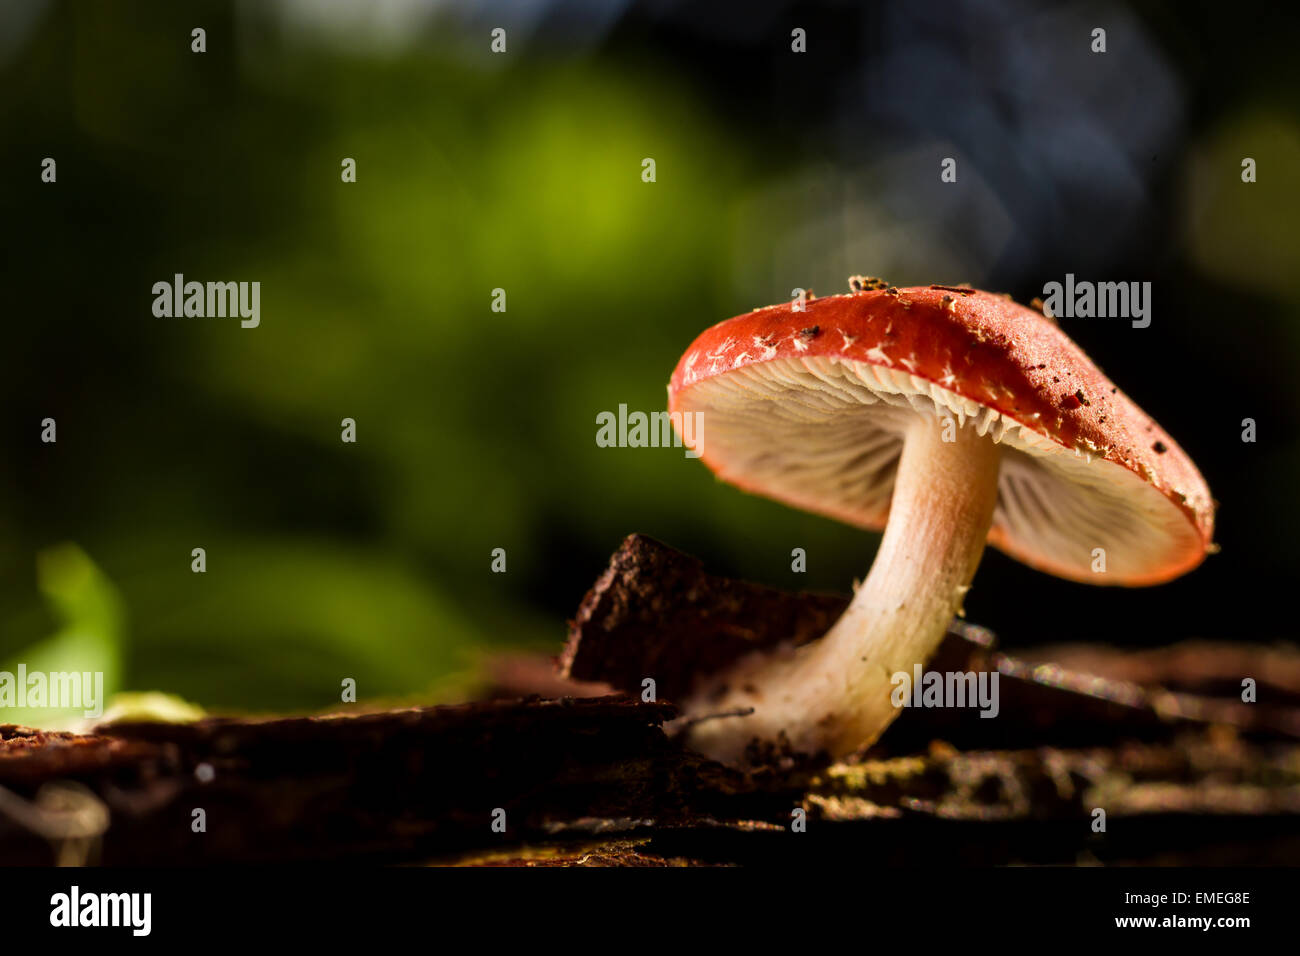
(946, 416)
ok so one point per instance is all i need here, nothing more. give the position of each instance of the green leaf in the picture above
(81, 663)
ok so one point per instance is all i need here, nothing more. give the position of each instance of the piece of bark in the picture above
(397, 784)
(1207, 798)
(422, 784)
(655, 613)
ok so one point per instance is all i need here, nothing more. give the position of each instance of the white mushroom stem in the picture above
(835, 693)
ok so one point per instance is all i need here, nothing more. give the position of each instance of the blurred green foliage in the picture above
(475, 429)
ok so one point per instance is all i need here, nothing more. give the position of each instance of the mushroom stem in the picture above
(834, 695)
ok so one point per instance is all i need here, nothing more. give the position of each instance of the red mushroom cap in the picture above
(807, 406)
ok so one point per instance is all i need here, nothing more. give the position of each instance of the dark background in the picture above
(523, 171)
